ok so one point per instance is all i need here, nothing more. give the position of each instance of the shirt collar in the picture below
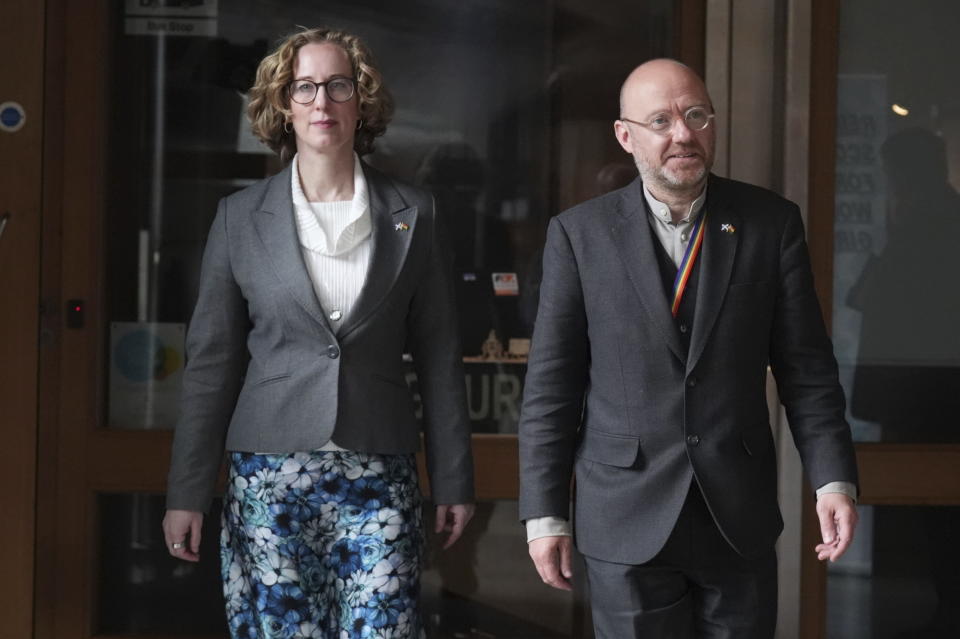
(662, 212)
(361, 197)
(311, 232)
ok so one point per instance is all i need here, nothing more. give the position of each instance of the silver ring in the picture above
(177, 545)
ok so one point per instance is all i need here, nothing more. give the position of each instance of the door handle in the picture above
(3, 222)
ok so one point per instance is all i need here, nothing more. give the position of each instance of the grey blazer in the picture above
(612, 396)
(267, 373)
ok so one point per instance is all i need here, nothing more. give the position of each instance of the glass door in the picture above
(895, 309)
(504, 111)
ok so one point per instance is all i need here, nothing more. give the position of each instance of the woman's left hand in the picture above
(453, 518)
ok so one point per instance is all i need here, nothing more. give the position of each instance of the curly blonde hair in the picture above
(269, 106)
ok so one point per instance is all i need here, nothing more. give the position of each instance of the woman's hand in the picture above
(453, 518)
(181, 530)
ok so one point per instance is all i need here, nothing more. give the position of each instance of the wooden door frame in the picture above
(820, 193)
(890, 474)
(51, 319)
(73, 172)
(21, 207)
(690, 33)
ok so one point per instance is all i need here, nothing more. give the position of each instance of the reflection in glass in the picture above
(906, 585)
(897, 220)
(485, 586)
(908, 361)
(142, 589)
(896, 307)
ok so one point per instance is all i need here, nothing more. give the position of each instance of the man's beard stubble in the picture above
(662, 176)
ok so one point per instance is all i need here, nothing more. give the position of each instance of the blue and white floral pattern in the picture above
(322, 545)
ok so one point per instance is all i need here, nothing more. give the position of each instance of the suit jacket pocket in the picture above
(607, 448)
(270, 379)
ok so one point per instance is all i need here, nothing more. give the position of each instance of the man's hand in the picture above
(453, 518)
(838, 519)
(181, 530)
(552, 557)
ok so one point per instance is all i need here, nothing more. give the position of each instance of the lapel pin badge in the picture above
(401, 226)
(728, 228)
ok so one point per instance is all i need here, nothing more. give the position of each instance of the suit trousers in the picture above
(697, 586)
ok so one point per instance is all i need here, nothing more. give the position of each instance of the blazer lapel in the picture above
(716, 265)
(393, 224)
(277, 228)
(634, 241)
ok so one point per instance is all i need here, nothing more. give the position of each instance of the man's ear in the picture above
(622, 134)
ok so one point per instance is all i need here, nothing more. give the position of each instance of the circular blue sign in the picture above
(12, 117)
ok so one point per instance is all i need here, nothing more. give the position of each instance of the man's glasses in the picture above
(695, 118)
(337, 89)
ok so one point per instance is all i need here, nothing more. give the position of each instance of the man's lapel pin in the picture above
(401, 226)
(728, 228)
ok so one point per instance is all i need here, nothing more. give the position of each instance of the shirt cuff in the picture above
(547, 527)
(842, 487)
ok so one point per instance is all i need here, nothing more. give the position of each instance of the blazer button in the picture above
(693, 440)
(692, 382)
(333, 352)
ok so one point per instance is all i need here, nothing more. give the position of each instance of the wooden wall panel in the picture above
(21, 79)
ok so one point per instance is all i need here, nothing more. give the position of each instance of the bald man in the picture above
(662, 305)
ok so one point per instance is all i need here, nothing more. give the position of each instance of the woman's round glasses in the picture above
(695, 118)
(337, 89)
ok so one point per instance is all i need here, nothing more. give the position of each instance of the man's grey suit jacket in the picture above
(611, 393)
(267, 373)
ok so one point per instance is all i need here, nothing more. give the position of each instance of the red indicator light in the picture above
(75, 314)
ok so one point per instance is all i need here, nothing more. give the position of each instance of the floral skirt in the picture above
(322, 545)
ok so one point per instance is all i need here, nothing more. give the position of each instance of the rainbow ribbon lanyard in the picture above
(686, 266)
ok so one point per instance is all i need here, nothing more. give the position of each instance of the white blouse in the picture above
(335, 243)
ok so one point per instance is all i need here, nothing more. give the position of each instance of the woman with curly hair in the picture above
(314, 283)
